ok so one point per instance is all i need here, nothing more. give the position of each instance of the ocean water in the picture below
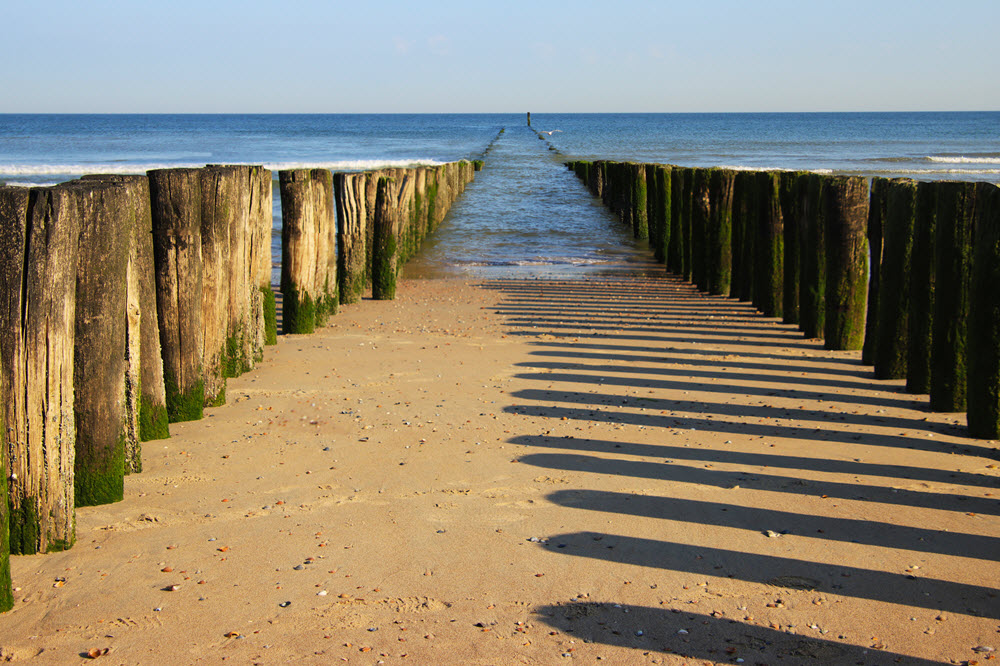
(525, 213)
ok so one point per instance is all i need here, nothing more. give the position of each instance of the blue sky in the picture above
(306, 56)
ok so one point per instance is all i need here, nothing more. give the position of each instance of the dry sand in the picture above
(539, 472)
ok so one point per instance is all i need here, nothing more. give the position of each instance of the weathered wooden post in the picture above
(385, 252)
(675, 250)
(952, 268)
(719, 234)
(701, 212)
(812, 288)
(891, 342)
(262, 220)
(921, 289)
(742, 266)
(6, 591)
(664, 204)
(349, 190)
(984, 317)
(653, 211)
(175, 197)
(218, 194)
(845, 213)
(638, 207)
(792, 183)
(144, 375)
(768, 265)
(876, 223)
(40, 242)
(100, 339)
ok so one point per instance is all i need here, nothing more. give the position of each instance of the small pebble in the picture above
(285, 604)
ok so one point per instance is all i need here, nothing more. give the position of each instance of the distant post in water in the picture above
(529, 118)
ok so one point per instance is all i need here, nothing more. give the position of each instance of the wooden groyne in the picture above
(797, 246)
(126, 302)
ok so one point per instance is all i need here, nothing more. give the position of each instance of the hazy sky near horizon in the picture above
(396, 56)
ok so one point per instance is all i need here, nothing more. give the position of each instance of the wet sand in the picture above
(539, 472)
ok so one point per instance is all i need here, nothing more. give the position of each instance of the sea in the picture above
(525, 214)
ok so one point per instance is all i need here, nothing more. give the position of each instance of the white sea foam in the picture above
(960, 159)
(78, 169)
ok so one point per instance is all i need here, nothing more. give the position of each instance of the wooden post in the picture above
(792, 182)
(845, 213)
(144, 378)
(100, 339)
(921, 287)
(300, 238)
(218, 208)
(984, 317)
(876, 223)
(812, 288)
(891, 343)
(768, 265)
(675, 251)
(175, 197)
(639, 204)
(385, 251)
(719, 235)
(740, 271)
(349, 190)
(529, 118)
(40, 246)
(701, 212)
(662, 177)
(952, 268)
(262, 221)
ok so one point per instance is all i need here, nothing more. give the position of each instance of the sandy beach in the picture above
(539, 472)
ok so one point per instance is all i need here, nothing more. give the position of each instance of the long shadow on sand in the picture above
(705, 637)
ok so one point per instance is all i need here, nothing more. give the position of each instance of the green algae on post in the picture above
(812, 288)
(701, 211)
(876, 224)
(952, 269)
(769, 253)
(792, 186)
(719, 233)
(891, 340)
(984, 318)
(845, 213)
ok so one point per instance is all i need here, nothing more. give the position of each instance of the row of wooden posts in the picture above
(127, 301)
(801, 246)
(382, 217)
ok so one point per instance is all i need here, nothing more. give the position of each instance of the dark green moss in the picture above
(952, 270)
(639, 206)
(384, 269)
(984, 318)
(270, 316)
(769, 246)
(845, 212)
(153, 422)
(477, 165)
(99, 476)
(298, 311)
(719, 234)
(234, 361)
(812, 289)
(921, 285)
(219, 399)
(24, 529)
(6, 592)
(890, 347)
(188, 406)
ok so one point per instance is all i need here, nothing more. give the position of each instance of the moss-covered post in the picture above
(349, 189)
(40, 246)
(639, 200)
(812, 288)
(952, 271)
(675, 251)
(653, 210)
(845, 213)
(701, 211)
(662, 177)
(876, 222)
(719, 234)
(175, 197)
(792, 183)
(768, 265)
(739, 268)
(984, 317)
(891, 342)
(385, 251)
(6, 591)
(300, 239)
(100, 340)
(921, 291)
(325, 284)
